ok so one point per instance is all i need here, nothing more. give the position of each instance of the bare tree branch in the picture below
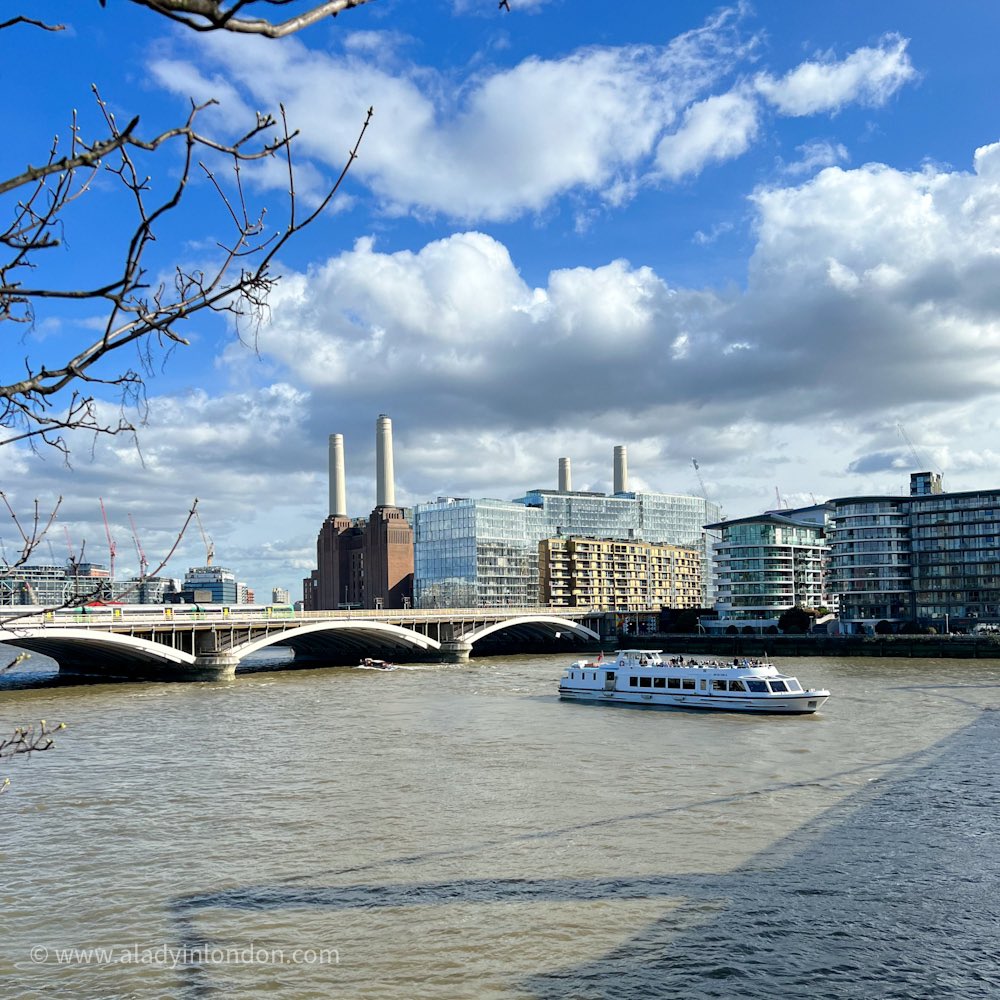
(27, 740)
(31, 539)
(219, 15)
(136, 310)
(21, 19)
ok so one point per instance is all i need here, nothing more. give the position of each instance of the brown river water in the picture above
(458, 832)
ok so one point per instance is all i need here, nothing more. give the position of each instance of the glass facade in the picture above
(484, 553)
(50, 585)
(221, 582)
(476, 554)
(768, 564)
(56, 585)
(918, 558)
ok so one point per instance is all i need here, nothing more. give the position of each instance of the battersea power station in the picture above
(631, 550)
(362, 562)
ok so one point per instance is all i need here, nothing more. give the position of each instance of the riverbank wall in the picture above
(963, 647)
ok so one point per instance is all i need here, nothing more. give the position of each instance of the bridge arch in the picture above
(90, 651)
(314, 639)
(549, 625)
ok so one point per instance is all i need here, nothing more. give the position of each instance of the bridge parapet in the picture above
(143, 643)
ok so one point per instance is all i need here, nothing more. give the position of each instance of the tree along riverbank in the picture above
(969, 647)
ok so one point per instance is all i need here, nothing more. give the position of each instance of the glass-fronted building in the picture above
(55, 586)
(475, 554)
(220, 582)
(484, 553)
(932, 557)
(771, 562)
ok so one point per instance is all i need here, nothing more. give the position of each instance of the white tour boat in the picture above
(643, 677)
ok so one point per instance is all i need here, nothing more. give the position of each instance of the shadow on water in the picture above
(891, 894)
(38, 671)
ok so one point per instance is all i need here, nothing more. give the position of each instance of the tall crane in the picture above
(74, 561)
(920, 463)
(112, 548)
(701, 482)
(209, 544)
(143, 561)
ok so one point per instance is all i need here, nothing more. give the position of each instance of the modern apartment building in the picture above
(476, 554)
(58, 585)
(932, 557)
(484, 553)
(617, 575)
(218, 585)
(769, 563)
(54, 585)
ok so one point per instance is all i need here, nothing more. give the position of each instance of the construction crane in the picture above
(143, 561)
(920, 463)
(777, 496)
(74, 561)
(112, 548)
(209, 544)
(701, 482)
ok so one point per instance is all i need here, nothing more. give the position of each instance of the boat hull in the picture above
(797, 704)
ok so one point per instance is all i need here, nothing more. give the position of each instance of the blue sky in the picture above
(762, 236)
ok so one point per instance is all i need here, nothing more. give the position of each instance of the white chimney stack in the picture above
(565, 477)
(385, 492)
(621, 469)
(338, 487)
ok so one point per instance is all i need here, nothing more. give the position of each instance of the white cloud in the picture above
(868, 76)
(716, 129)
(815, 156)
(600, 121)
(869, 289)
(873, 296)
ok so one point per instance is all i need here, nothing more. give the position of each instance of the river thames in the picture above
(458, 832)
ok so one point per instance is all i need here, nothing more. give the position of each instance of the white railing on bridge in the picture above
(142, 614)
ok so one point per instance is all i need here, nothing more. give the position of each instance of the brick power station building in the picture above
(362, 562)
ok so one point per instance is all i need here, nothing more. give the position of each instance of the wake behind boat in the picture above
(643, 677)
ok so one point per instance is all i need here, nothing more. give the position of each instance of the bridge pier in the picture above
(213, 667)
(455, 651)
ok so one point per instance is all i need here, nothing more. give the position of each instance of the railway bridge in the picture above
(182, 642)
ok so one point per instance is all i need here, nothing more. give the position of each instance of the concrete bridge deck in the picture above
(184, 642)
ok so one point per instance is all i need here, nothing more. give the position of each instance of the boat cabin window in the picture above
(673, 682)
(704, 685)
(736, 686)
(758, 687)
(688, 683)
(633, 682)
(718, 685)
(659, 682)
(793, 684)
(778, 686)
(609, 675)
(645, 682)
